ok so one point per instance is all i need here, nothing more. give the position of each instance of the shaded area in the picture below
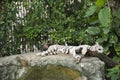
(51, 72)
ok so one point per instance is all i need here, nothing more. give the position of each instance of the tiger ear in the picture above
(96, 43)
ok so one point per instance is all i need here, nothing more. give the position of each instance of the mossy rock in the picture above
(51, 72)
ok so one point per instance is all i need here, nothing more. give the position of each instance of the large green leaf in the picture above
(93, 20)
(105, 17)
(103, 38)
(117, 47)
(106, 30)
(100, 3)
(90, 11)
(100, 40)
(93, 30)
(113, 38)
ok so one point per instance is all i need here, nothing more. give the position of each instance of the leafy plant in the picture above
(103, 26)
(114, 73)
(77, 22)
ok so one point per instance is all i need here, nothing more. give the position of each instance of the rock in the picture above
(55, 67)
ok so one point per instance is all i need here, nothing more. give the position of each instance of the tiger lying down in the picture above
(77, 51)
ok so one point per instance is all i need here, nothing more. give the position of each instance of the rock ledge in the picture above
(16, 66)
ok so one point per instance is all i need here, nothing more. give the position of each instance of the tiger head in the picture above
(98, 48)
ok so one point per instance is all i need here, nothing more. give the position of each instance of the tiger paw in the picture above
(78, 58)
(41, 54)
(38, 54)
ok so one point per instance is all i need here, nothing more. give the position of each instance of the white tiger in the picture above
(77, 51)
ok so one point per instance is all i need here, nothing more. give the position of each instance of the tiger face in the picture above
(98, 48)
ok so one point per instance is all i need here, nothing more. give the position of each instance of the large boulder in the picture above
(55, 67)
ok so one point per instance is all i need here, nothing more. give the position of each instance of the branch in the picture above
(108, 61)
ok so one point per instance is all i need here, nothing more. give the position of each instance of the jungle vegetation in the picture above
(28, 24)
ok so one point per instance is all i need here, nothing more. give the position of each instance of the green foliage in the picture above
(105, 17)
(114, 73)
(102, 24)
(8, 45)
(31, 32)
(104, 27)
(113, 38)
(91, 10)
(61, 21)
(117, 48)
(100, 3)
(93, 30)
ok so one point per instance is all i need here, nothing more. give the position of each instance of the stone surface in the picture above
(55, 67)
